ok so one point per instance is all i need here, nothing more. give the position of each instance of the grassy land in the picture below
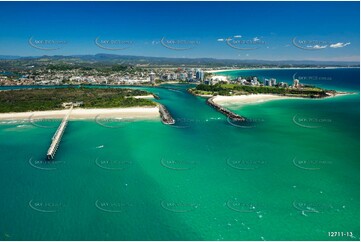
(51, 99)
(236, 89)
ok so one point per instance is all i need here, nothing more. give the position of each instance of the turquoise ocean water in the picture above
(292, 174)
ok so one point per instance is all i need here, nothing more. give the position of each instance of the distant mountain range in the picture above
(128, 59)
(9, 57)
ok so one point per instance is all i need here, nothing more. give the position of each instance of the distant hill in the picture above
(128, 59)
(9, 57)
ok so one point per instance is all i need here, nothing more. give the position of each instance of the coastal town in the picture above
(125, 75)
(102, 69)
(118, 75)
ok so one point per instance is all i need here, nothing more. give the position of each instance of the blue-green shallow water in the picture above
(293, 174)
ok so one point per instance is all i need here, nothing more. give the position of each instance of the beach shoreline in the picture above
(278, 68)
(260, 98)
(248, 99)
(82, 113)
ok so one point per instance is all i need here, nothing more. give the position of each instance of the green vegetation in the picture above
(51, 99)
(236, 89)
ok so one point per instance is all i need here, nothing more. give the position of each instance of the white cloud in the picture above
(317, 46)
(339, 45)
(255, 39)
(220, 40)
(237, 36)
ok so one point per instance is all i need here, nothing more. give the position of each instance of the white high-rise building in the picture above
(267, 83)
(273, 81)
(254, 81)
(296, 83)
(190, 74)
(199, 75)
(152, 77)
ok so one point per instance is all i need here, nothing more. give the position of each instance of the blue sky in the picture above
(234, 30)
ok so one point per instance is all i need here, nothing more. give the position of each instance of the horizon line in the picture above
(70, 55)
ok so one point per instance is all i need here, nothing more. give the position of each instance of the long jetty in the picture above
(57, 137)
(165, 115)
(228, 113)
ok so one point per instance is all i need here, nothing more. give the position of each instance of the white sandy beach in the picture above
(246, 99)
(259, 98)
(81, 113)
(144, 96)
